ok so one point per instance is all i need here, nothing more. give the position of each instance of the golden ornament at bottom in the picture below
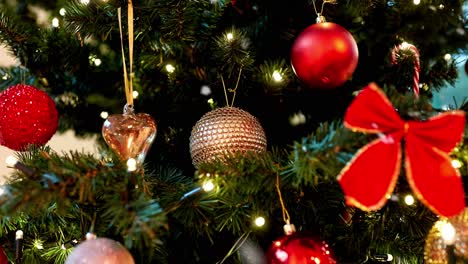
(448, 236)
(225, 130)
(100, 251)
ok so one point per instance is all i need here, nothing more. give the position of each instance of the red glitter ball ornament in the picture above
(324, 55)
(299, 248)
(28, 116)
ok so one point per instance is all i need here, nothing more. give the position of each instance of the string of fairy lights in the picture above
(447, 230)
(275, 76)
(207, 184)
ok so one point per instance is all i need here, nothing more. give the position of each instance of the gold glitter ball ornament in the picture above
(448, 240)
(225, 130)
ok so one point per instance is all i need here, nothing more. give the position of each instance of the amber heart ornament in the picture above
(130, 135)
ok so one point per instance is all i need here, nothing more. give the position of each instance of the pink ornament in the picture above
(100, 251)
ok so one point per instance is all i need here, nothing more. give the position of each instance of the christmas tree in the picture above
(243, 131)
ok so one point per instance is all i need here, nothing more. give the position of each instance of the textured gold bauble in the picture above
(441, 242)
(225, 130)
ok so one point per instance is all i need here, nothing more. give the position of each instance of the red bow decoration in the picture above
(370, 177)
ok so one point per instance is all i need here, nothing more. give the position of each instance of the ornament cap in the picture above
(91, 236)
(289, 229)
(128, 109)
(320, 19)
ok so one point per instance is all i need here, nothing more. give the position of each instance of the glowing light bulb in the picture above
(277, 77)
(135, 94)
(62, 11)
(260, 221)
(448, 233)
(389, 257)
(205, 90)
(416, 2)
(230, 36)
(208, 186)
(55, 22)
(11, 161)
(409, 199)
(456, 164)
(170, 68)
(19, 234)
(97, 62)
(447, 57)
(131, 164)
(104, 115)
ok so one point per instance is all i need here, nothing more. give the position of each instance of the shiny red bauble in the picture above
(28, 116)
(299, 248)
(324, 56)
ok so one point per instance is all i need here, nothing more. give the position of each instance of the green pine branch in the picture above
(81, 194)
(97, 19)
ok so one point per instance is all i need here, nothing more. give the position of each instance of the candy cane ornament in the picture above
(417, 66)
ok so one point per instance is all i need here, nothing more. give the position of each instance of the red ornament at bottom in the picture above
(299, 248)
(3, 257)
